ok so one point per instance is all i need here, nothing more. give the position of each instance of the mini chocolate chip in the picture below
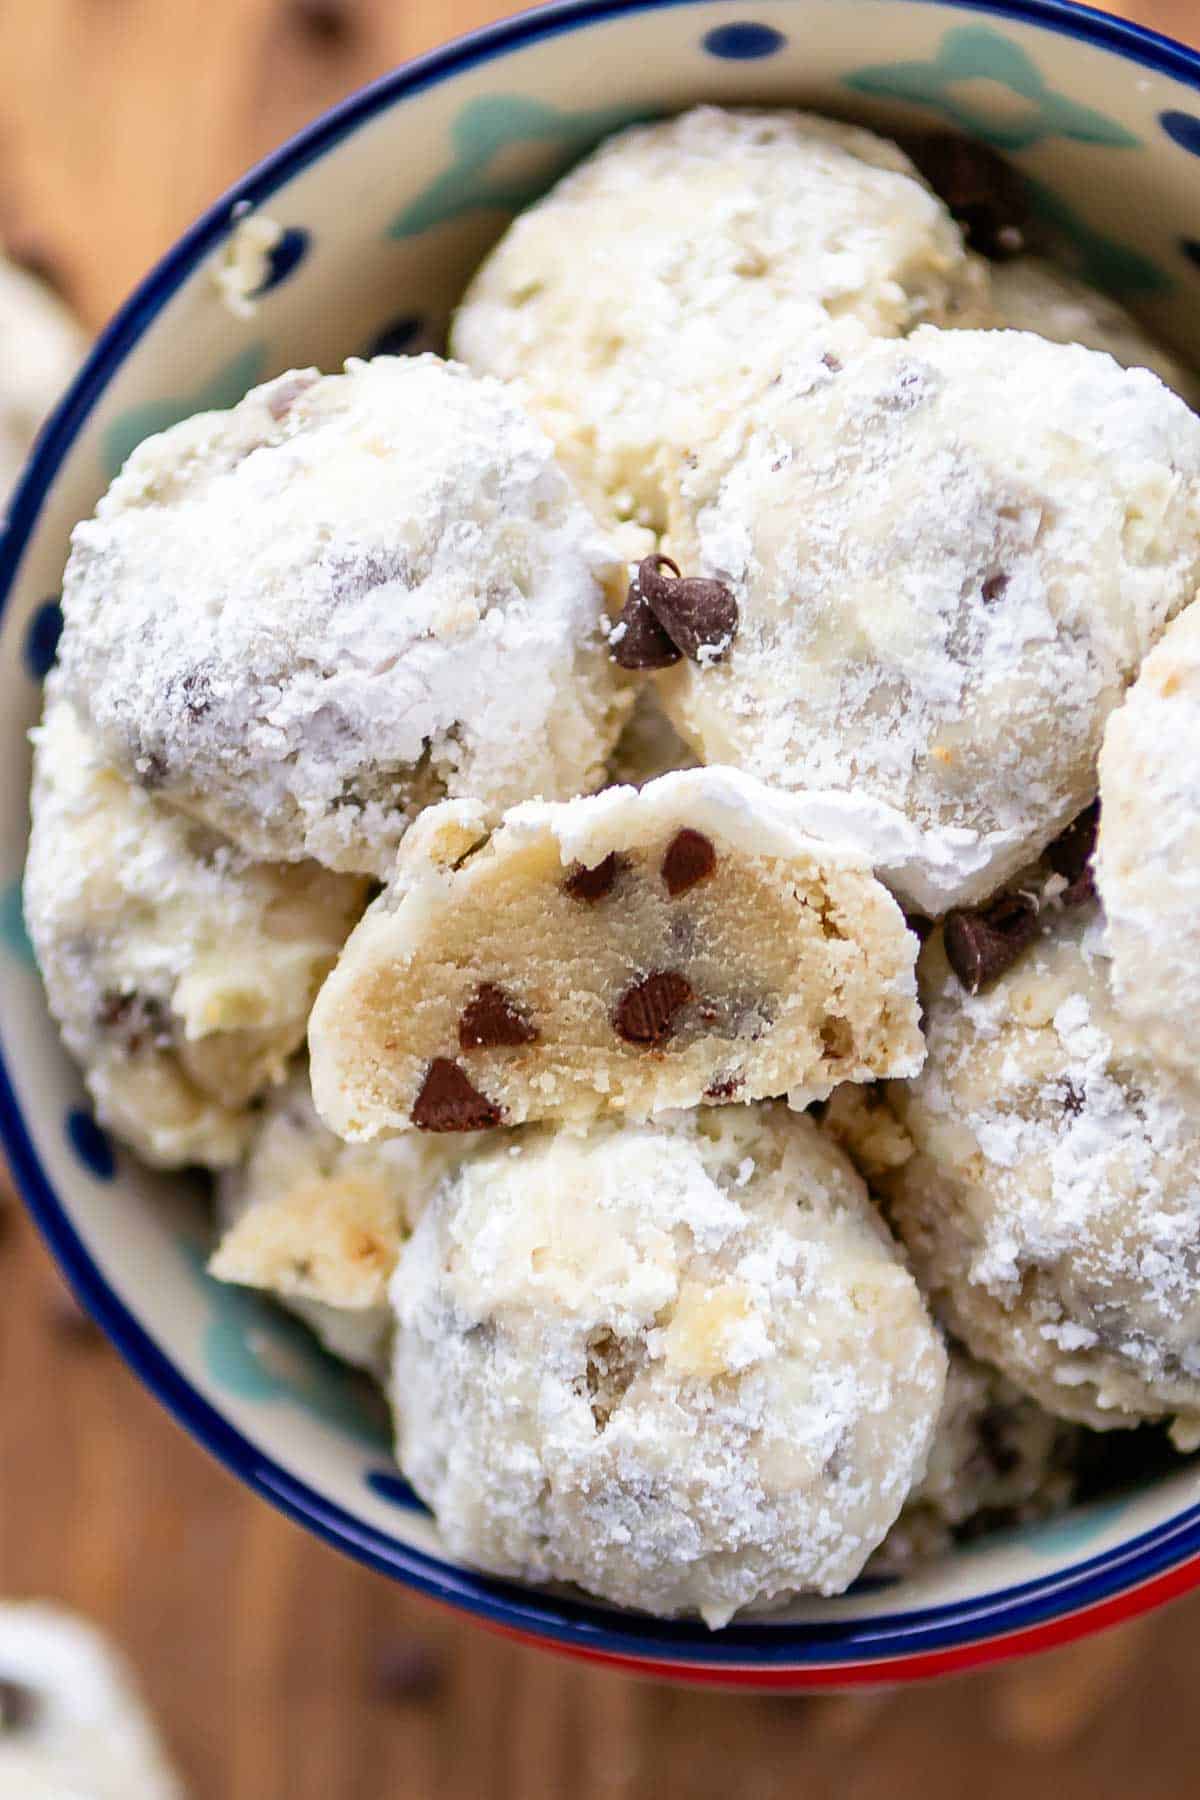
(724, 1089)
(919, 927)
(984, 942)
(642, 643)
(19, 1706)
(987, 196)
(995, 587)
(492, 1020)
(448, 1101)
(697, 615)
(645, 1013)
(594, 884)
(138, 1020)
(408, 1670)
(690, 858)
(1070, 855)
(1072, 1098)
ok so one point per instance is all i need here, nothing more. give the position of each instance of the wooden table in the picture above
(281, 1671)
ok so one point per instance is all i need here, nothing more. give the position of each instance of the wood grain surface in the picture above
(279, 1670)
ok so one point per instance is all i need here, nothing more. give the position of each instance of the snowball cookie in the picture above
(679, 1364)
(181, 973)
(998, 1459)
(1052, 1208)
(73, 1725)
(1148, 853)
(949, 555)
(631, 952)
(655, 290)
(319, 1223)
(1030, 294)
(306, 619)
(42, 345)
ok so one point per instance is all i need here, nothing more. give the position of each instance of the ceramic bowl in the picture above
(387, 204)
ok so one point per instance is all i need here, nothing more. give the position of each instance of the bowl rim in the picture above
(1132, 1577)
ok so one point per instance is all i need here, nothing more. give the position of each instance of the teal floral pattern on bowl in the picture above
(484, 131)
(224, 388)
(970, 55)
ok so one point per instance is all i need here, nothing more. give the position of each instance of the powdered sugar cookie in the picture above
(679, 1364)
(351, 596)
(658, 287)
(949, 556)
(1148, 856)
(180, 972)
(1052, 1207)
(631, 952)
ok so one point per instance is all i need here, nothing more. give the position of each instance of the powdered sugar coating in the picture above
(997, 1458)
(88, 1736)
(319, 1223)
(305, 619)
(1052, 1208)
(180, 972)
(680, 1365)
(1030, 294)
(950, 554)
(42, 346)
(1148, 855)
(657, 288)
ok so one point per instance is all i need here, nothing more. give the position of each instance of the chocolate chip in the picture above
(987, 196)
(699, 616)
(408, 1670)
(724, 1089)
(919, 927)
(448, 1101)
(1072, 1098)
(1070, 856)
(18, 1705)
(995, 588)
(491, 1020)
(690, 858)
(594, 884)
(645, 1013)
(139, 1020)
(641, 642)
(983, 943)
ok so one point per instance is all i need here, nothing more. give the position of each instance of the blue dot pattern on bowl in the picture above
(406, 336)
(284, 258)
(392, 1487)
(14, 938)
(91, 1144)
(971, 54)
(1183, 129)
(255, 1351)
(743, 42)
(1191, 249)
(41, 638)
(223, 389)
(486, 128)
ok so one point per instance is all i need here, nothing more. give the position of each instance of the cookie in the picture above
(949, 556)
(71, 1720)
(997, 1460)
(657, 289)
(678, 1364)
(319, 1223)
(352, 596)
(1030, 294)
(180, 972)
(629, 952)
(1148, 856)
(43, 346)
(1052, 1206)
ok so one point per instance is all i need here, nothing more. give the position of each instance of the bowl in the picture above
(403, 188)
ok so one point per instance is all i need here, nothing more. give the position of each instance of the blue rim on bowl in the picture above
(1130, 1577)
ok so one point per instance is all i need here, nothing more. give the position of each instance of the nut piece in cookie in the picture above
(628, 953)
(679, 1364)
